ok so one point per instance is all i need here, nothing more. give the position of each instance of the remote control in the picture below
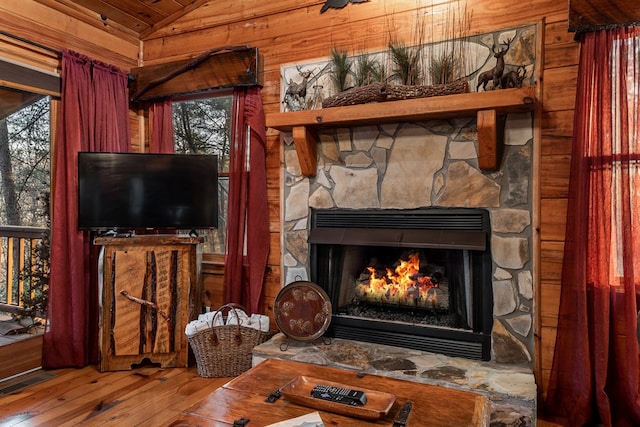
(339, 395)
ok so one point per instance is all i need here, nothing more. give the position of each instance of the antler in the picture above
(501, 52)
(508, 43)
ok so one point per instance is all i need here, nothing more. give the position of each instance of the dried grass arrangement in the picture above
(416, 71)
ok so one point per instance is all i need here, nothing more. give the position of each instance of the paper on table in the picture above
(310, 420)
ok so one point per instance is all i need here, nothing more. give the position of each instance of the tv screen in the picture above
(129, 191)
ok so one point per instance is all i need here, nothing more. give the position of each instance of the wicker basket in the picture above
(225, 351)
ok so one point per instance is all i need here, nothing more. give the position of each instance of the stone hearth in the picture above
(511, 390)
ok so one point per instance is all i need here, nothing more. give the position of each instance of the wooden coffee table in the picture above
(244, 397)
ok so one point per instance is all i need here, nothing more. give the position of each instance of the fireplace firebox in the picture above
(417, 279)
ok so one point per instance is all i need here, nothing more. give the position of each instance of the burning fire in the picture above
(403, 285)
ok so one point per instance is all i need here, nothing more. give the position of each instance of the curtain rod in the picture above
(32, 43)
(580, 31)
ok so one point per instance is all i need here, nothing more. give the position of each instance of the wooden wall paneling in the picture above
(505, 13)
(26, 53)
(93, 17)
(551, 254)
(553, 221)
(561, 50)
(549, 311)
(36, 22)
(535, 196)
(273, 162)
(274, 211)
(557, 131)
(560, 64)
(560, 88)
(305, 34)
(554, 176)
(272, 285)
(137, 131)
(275, 252)
(222, 13)
(213, 284)
(301, 28)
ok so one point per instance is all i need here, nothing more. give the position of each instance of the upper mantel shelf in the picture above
(487, 106)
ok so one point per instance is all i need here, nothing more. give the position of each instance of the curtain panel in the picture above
(595, 371)
(161, 138)
(247, 214)
(94, 116)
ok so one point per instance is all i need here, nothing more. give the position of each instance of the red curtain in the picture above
(247, 215)
(94, 116)
(162, 140)
(595, 372)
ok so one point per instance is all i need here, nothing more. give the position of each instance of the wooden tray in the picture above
(299, 389)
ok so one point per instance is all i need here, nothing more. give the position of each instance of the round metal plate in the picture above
(302, 311)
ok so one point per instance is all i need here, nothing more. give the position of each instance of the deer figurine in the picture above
(495, 74)
(514, 78)
(296, 92)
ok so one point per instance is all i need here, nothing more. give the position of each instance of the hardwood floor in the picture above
(142, 397)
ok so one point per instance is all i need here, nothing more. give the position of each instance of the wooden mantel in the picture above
(489, 108)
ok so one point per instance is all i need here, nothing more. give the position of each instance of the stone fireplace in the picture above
(423, 167)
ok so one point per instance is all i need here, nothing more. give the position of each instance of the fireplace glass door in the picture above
(426, 288)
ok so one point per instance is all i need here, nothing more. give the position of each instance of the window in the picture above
(203, 126)
(24, 212)
(625, 174)
(24, 158)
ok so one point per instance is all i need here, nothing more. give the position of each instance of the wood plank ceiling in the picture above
(136, 17)
(591, 15)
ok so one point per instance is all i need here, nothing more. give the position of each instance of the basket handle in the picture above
(230, 306)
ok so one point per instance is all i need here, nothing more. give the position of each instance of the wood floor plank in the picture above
(54, 392)
(142, 397)
(135, 406)
(86, 398)
(175, 414)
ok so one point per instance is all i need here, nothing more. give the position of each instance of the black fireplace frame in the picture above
(446, 228)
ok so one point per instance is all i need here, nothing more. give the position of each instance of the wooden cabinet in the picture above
(151, 289)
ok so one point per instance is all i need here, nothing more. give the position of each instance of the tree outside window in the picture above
(24, 187)
(24, 164)
(203, 126)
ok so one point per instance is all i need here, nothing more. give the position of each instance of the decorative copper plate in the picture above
(299, 389)
(302, 311)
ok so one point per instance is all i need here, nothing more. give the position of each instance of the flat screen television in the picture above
(134, 191)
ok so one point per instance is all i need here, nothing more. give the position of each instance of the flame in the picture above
(403, 285)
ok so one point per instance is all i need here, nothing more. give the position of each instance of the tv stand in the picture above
(151, 289)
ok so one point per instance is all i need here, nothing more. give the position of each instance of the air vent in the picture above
(420, 219)
(449, 347)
